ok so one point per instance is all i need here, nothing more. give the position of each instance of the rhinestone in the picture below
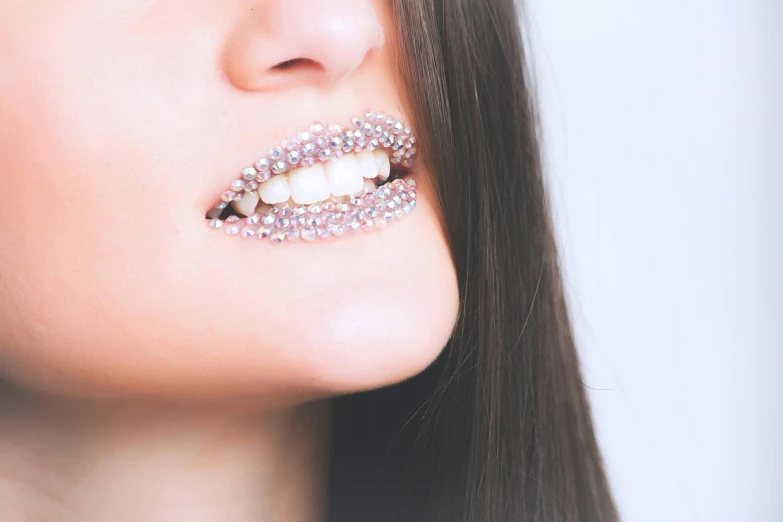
(268, 219)
(237, 185)
(216, 223)
(263, 176)
(397, 200)
(380, 222)
(312, 220)
(336, 143)
(238, 197)
(304, 137)
(380, 204)
(292, 157)
(314, 209)
(372, 145)
(309, 234)
(308, 149)
(323, 231)
(328, 206)
(388, 215)
(228, 196)
(253, 219)
(371, 212)
(399, 213)
(354, 225)
(279, 167)
(327, 217)
(297, 221)
(232, 230)
(411, 194)
(338, 229)
(251, 186)
(368, 224)
(275, 153)
(411, 182)
(357, 122)
(369, 114)
(247, 232)
(249, 173)
(397, 127)
(282, 222)
(221, 205)
(356, 202)
(367, 129)
(293, 235)
(391, 205)
(348, 145)
(407, 208)
(264, 232)
(377, 131)
(413, 204)
(317, 128)
(263, 165)
(380, 194)
(343, 207)
(334, 128)
(406, 131)
(321, 142)
(324, 155)
(277, 237)
(307, 162)
(290, 144)
(357, 213)
(232, 219)
(298, 210)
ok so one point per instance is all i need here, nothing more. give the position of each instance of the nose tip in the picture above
(285, 43)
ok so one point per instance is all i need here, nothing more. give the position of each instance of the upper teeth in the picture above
(339, 177)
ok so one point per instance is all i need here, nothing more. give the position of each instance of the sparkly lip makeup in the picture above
(325, 182)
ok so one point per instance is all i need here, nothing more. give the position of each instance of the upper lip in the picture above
(371, 130)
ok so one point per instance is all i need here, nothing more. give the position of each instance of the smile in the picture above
(325, 182)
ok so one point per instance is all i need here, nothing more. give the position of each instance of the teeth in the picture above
(344, 175)
(384, 166)
(308, 185)
(276, 190)
(348, 175)
(247, 205)
(367, 163)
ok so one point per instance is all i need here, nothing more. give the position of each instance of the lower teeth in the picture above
(391, 201)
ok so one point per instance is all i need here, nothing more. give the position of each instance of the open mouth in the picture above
(326, 182)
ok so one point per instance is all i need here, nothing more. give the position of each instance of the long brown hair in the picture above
(498, 428)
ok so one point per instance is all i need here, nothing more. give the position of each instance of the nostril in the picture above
(297, 63)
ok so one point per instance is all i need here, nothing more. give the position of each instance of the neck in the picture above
(70, 460)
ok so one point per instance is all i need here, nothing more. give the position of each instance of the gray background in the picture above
(663, 128)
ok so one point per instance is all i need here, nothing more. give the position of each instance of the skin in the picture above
(130, 333)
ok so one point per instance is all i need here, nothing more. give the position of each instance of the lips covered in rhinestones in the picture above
(325, 182)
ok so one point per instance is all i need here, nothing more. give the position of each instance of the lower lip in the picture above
(375, 210)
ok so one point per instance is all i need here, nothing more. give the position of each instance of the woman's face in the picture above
(121, 122)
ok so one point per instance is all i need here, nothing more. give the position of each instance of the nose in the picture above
(289, 43)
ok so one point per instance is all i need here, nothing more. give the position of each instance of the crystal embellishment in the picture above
(359, 214)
